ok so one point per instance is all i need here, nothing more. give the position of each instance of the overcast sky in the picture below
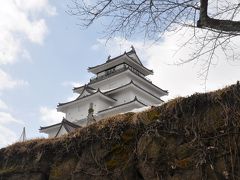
(43, 54)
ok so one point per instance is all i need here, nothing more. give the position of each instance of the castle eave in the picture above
(80, 89)
(134, 103)
(51, 127)
(67, 125)
(98, 93)
(135, 86)
(143, 79)
(125, 58)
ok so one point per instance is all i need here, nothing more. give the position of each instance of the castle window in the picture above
(110, 71)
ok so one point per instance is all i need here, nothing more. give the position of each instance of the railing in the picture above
(114, 72)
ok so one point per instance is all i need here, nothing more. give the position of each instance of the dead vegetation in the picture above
(187, 138)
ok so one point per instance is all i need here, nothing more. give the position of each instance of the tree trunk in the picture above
(222, 25)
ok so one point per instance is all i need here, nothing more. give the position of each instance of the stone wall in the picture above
(187, 138)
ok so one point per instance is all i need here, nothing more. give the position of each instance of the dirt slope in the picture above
(187, 138)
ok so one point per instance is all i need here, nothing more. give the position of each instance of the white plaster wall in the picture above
(146, 98)
(146, 86)
(62, 132)
(77, 111)
(112, 83)
(123, 96)
(124, 78)
(80, 110)
(120, 110)
(52, 132)
(128, 94)
(101, 104)
(116, 82)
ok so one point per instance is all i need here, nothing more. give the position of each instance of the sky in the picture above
(44, 54)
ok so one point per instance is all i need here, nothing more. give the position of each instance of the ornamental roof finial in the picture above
(133, 49)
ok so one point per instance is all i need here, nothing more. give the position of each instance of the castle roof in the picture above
(131, 54)
(165, 92)
(79, 98)
(112, 78)
(137, 86)
(135, 100)
(129, 58)
(67, 125)
(81, 88)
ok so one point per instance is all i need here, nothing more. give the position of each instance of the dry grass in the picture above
(198, 125)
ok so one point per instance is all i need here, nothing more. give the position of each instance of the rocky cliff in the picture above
(187, 138)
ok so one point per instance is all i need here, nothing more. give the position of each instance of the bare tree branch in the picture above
(214, 23)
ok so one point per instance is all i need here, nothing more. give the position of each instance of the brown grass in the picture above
(195, 123)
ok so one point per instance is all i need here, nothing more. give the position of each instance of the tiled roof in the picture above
(125, 53)
(134, 100)
(64, 122)
(69, 127)
(78, 98)
(131, 82)
(84, 86)
(123, 70)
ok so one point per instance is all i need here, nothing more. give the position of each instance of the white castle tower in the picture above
(119, 85)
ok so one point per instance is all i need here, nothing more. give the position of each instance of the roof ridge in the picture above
(85, 85)
(99, 91)
(110, 59)
(45, 127)
(69, 123)
(125, 53)
(135, 60)
(84, 89)
(138, 76)
(64, 121)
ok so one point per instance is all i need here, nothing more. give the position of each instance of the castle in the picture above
(119, 85)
